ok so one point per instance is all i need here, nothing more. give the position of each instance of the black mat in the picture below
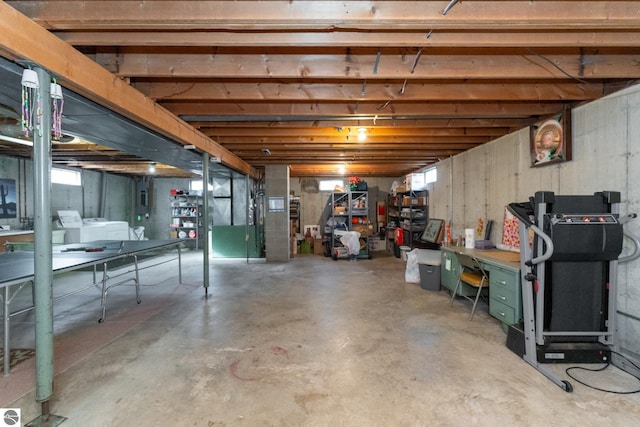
(17, 355)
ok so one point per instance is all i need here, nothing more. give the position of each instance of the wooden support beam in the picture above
(380, 39)
(480, 90)
(367, 110)
(330, 15)
(483, 64)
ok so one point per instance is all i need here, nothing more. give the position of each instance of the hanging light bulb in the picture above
(30, 79)
(30, 100)
(57, 101)
(56, 91)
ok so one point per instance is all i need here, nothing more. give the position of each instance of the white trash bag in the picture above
(351, 241)
(412, 272)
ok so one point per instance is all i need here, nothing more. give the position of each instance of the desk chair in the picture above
(472, 274)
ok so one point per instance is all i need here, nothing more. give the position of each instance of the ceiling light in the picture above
(362, 134)
(266, 151)
(30, 79)
(56, 91)
(152, 167)
(16, 140)
(342, 170)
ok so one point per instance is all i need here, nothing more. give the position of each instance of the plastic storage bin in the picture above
(429, 277)
(429, 267)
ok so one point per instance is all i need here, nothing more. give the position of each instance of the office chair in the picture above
(473, 275)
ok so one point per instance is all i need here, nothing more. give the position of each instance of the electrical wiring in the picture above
(568, 372)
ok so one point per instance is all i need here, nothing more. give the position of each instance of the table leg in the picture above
(104, 292)
(7, 350)
(179, 266)
(135, 261)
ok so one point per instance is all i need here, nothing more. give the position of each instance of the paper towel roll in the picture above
(469, 238)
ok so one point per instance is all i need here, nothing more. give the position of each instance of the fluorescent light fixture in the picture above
(16, 140)
(189, 147)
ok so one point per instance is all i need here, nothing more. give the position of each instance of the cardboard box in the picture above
(363, 229)
(318, 247)
(377, 244)
(419, 201)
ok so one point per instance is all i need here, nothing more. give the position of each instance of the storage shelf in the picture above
(408, 212)
(352, 210)
(186, 208)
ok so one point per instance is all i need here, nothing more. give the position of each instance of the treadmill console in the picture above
(583, 219)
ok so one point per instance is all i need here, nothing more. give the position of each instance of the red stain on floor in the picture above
(235, 367)
(279, 351)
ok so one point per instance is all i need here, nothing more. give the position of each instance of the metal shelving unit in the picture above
(350, 212)
(186, 217)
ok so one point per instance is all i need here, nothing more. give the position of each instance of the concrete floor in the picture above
(312, 342)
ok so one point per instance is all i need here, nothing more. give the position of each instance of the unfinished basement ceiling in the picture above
(424, 80)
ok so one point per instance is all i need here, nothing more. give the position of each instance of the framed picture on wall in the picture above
(8, 198)
(433, 231)
(551, 140)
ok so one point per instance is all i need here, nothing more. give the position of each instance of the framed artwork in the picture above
(8, 206)
(551, 140)
(433, 231)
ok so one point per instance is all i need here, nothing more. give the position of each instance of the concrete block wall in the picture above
(276, 230)
(606, 156)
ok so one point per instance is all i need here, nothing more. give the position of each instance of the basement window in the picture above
(197, 185)
(66, 177)
(430, 175)
(329, 184)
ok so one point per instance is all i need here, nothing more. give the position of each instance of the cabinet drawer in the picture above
(501, 277)
(502, 311)
(504, 295)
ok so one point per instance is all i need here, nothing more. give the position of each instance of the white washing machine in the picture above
(78, 230)
(115, 230)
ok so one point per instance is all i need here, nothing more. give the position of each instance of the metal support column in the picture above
(246, 219)
(205, 219)
(43, 264)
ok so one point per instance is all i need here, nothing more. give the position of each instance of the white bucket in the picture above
(404, 250)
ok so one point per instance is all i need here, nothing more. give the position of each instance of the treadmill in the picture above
(570, 248)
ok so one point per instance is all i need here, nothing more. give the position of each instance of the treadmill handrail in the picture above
(549, 246)
(634, 239)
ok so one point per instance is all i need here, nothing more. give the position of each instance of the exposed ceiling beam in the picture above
(480, 90)
(378, 39)
(367, 110)
(353, 65)
(329, 15)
